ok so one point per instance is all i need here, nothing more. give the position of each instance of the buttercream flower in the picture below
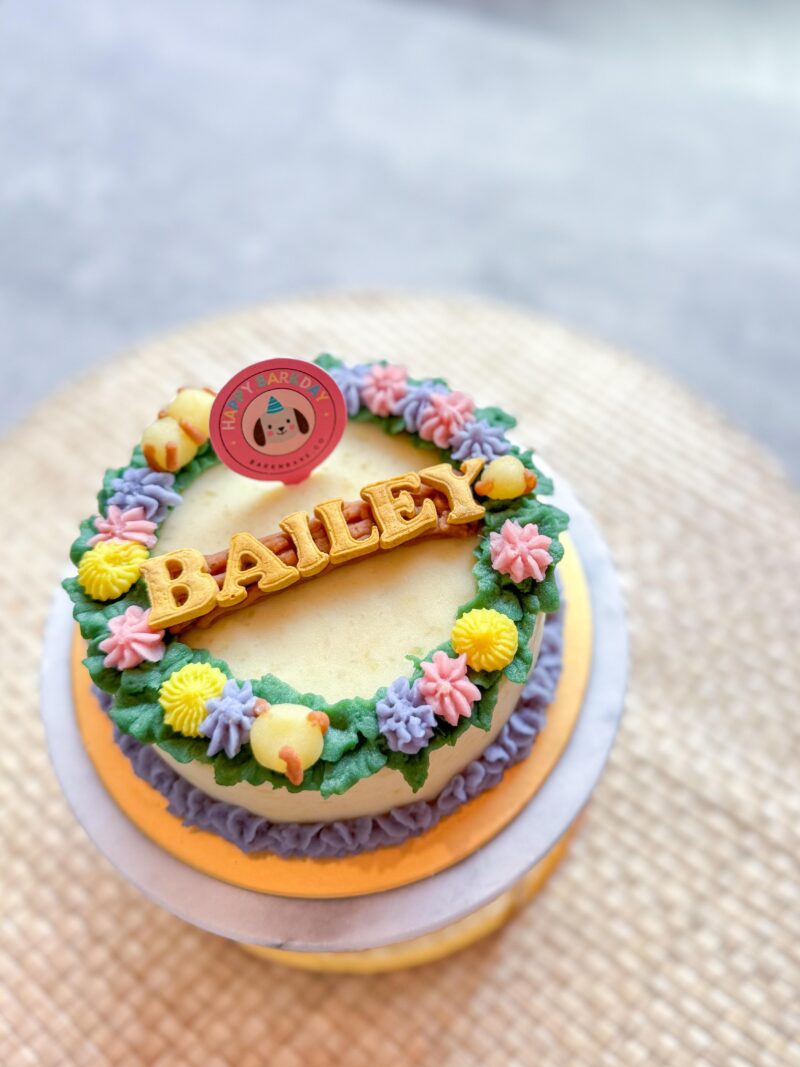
(479, 438)
(109, 569)
(383, 387)
(445, 686)
(229, 718)
(405, 720)
(520, 551)
(488, 639)
(349, 380)
(413, 403)
(141, 487)
(185, 693)
(131, 641)
(119, 525)
(443, 415)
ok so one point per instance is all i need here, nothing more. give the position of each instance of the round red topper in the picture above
(277, 420)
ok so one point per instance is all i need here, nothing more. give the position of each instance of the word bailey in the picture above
(181, 587)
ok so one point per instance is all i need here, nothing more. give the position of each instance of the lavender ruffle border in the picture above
(254, 833)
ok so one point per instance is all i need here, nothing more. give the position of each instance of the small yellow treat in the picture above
(191, 409)
(488, 639)
(110, 568)
(184, 694)
(288, 738)
(505, 478)
(166, 447)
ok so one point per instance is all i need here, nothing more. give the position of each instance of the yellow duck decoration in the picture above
(173, 439)
(505, 478)
(288, 738)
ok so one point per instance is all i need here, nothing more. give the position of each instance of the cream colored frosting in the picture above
(344, 633)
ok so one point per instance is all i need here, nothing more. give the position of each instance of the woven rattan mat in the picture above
(671, 934)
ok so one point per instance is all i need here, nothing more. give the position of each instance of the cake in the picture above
(330, 664)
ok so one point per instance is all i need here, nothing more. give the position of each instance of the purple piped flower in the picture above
(479, 439)
(405, 722)
(140, 487)
(412, 404)
(229, 718)
(350, 380)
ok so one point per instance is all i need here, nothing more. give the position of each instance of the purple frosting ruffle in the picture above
(253, 833)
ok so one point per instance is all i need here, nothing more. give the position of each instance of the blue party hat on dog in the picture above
(274, 406)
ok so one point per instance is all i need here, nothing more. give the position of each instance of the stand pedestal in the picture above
(440, 943)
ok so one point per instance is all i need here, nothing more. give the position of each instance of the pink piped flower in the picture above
(445, 687)
(131, 640)
(383, 387)
(443, 415)
(520, 551)
(119, 525)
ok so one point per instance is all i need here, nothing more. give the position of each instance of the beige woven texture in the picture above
(671, 934)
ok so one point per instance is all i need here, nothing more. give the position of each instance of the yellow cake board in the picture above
(455, 837)
(433, 946)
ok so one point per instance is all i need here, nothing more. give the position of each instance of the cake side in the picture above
(370, 796)
(252, 833)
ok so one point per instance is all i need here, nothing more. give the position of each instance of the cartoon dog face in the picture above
(279, 427)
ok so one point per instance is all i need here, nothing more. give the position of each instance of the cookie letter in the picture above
(395, 511)
(179, 586)
(249, 561)
(310, 557)
(456, 487)
(344, 546)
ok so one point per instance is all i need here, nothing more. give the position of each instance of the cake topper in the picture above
(277, 420)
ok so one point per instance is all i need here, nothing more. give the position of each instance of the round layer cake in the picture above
(389, 661)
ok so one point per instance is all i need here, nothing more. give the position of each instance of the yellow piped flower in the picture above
(488, 639)
(110, 568)
(184, 694)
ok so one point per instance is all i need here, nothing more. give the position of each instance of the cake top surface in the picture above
(346, 633)
(310, 634)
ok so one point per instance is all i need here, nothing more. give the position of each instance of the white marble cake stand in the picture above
(397, 915)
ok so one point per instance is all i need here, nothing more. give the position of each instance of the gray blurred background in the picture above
(631, 169)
